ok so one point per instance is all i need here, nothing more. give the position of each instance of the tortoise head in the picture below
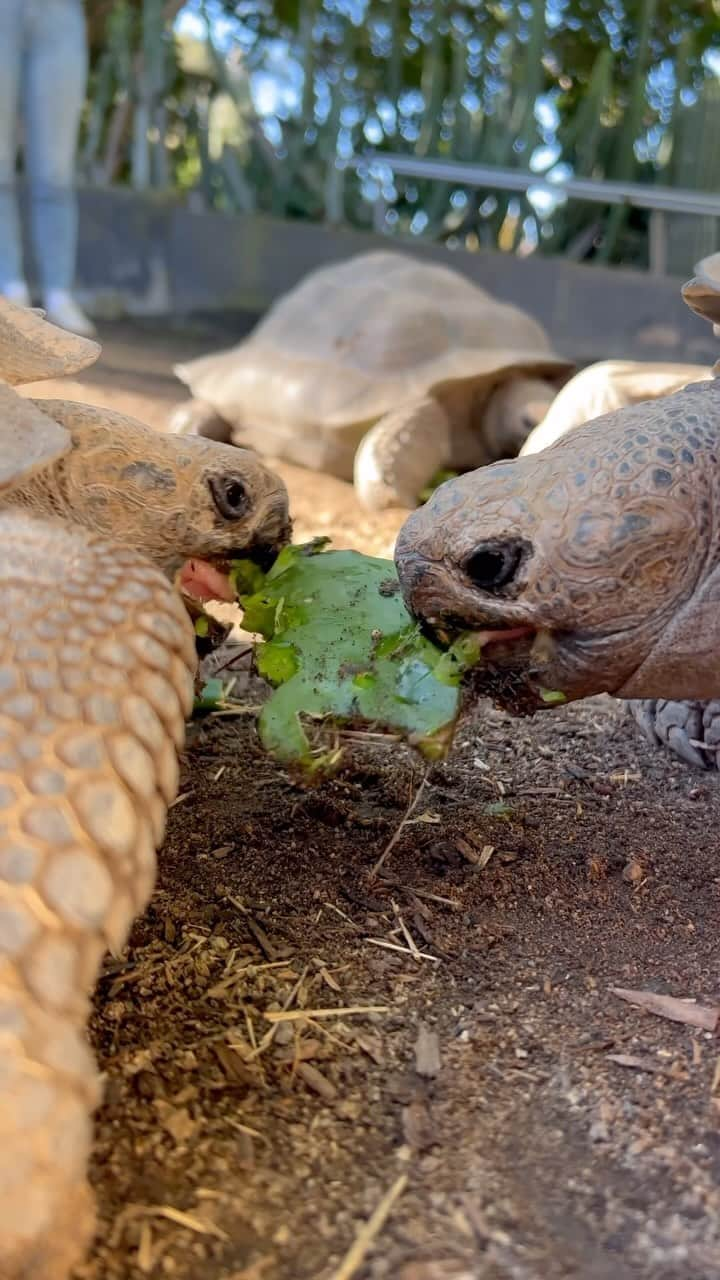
(514, 409)
(591, 566)
(587, 565)
(174, 499)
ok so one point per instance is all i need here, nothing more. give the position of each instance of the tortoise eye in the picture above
(493, 565)
(230, 496)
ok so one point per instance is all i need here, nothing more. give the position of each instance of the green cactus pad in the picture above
(341, 646)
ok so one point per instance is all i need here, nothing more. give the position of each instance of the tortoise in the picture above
(592, 565)
(384, 368)
(605, 386)
(97, 658)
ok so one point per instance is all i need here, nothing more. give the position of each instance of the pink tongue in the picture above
(512, 633)
(203, 582)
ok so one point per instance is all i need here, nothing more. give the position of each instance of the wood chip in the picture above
(419, 1129)
(686, 1011)
(427, 1052)
(304, 1051)
(234, 1065)
(268, 948)
(477, 857)
(367, 1234)
(325, 974)
(176, 1121)
(316, 1081)
(631, 1060)
(433, 819)
(372, 1045)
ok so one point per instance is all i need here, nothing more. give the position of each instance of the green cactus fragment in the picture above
(552, 697)
(210, 697)
(340, 645)
(439, 478)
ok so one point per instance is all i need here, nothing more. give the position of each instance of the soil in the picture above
(448, 1031)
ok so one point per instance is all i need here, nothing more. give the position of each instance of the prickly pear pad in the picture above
(340, 645)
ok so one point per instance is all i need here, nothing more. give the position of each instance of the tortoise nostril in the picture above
(493, 565)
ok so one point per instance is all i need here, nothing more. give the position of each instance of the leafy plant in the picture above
(614, 91)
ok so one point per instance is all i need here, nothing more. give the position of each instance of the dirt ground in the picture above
(291, 1043)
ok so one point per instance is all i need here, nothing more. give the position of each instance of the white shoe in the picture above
(62, 309)
(16, 291)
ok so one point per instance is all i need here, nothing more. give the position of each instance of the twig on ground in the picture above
(367, 1234)
(395, 946)
(399, 830)
(297, 1015)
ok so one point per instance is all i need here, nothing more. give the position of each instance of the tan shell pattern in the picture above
(96, 679)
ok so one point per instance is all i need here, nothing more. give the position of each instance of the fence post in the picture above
(380, 209)
(658, 242)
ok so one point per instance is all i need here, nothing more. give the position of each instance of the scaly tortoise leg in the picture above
(399, 456)
(681, 726)
(96, 681)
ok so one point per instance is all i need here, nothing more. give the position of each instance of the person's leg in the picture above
(54, 91)
(12, 283)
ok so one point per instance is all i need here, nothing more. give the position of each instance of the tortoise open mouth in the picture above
(205, 580)
(512, 669)
(507, 673)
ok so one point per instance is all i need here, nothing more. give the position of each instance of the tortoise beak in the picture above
(276, 533)
(263, 554)
(272, 532)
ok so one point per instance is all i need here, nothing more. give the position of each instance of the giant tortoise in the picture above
(606, 386)
(96, 674)
(384, 367)
(593, 565)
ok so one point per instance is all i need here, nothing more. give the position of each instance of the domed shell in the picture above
(357, 338)
(606, 386)
(31, 349)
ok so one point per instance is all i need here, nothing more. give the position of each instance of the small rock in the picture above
(633, 871)
(427, 1052)
(418, 1125)
(284, 1033)
(599, 1131)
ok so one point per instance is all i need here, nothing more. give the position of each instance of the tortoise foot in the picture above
(400, 455)
(690, 730)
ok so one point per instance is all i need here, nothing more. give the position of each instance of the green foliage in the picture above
(439, 478)
(695, 163)
(425, 77)
(340, 645)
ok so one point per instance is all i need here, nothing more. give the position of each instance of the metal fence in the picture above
(659, 201)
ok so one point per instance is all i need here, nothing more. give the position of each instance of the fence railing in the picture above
(659, 201)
